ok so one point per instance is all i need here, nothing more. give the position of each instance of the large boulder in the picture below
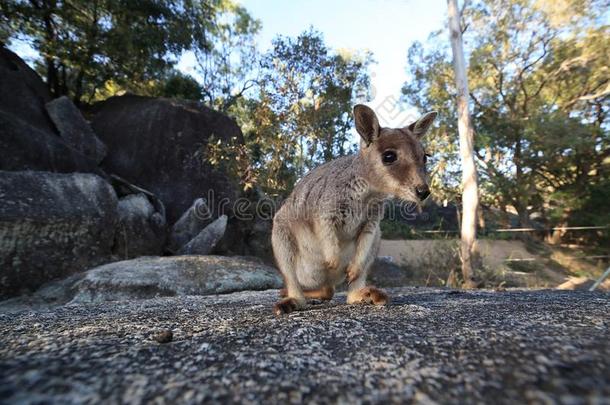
(26, 147)
(52, 225)
(385, 273)
(190, 224)
(251, 225)
(159, 144)
(28, 137)
(22, 91)
(207, 239)
(124, 188)
(148, 277)
(74, 130)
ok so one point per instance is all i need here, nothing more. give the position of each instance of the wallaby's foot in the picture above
(324, 293)
(287, 305)
(368, 295)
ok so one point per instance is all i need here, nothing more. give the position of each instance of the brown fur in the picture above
(325, 293)
(369, 295)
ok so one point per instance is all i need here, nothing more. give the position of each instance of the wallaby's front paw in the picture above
(368, 295)
(332, 264)
(352, 274)
(286, 306)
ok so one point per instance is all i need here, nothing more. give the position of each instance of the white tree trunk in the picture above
(470, 194)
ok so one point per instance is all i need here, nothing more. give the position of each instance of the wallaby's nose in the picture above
(422, 191)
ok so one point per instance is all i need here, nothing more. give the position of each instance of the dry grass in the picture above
(504, 263)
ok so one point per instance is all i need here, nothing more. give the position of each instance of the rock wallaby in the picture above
(327, 231)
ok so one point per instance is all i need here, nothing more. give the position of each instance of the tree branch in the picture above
(586, 97)
(528, 66)
(233, 98)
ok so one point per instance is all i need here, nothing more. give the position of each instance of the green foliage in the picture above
(540, 91)
(232, 158)
(588, 207)
(395, 230)
(5, 29)
(179, 85)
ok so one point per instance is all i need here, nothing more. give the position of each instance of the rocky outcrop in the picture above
(22, 91)
(139, 232)
(252, 227)
(385, 273)
(28, 138)
(207, 239)
(148, 277)
(74, 130)
(52, 225)
(190, 224)
(151, 151)
(159, 144)
(125, 188)
(25, 147)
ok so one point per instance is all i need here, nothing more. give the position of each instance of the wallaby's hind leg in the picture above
(285, 252)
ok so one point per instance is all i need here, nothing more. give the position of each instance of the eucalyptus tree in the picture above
(539, 91)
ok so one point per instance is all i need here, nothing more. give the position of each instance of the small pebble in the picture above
(165, 336)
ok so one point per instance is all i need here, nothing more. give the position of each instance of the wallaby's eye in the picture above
(388, 157)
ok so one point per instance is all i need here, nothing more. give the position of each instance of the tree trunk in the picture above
(91, 36)
(470, 193)
(524, 215)
(53, 84)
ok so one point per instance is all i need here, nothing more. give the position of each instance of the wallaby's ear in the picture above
(367, 124)
(421, 126)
